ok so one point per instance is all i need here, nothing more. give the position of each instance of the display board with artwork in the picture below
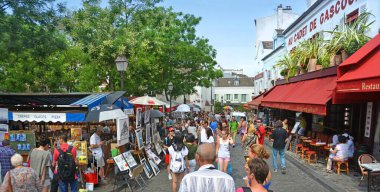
(76, 134)
(122, 131)
(22, 141)
(130, 159)
(139, 138)
(81, 147)
(121, 163)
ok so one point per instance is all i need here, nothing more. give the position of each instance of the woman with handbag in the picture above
(20, 179)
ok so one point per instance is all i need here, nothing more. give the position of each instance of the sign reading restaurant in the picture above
(334, 9)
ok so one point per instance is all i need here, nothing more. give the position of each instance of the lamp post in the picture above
(121, 65)
(170, 88)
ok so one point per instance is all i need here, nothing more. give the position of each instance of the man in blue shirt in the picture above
(6, 152)
(214, 125)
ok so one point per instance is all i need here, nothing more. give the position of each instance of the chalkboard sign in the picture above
(22, 141)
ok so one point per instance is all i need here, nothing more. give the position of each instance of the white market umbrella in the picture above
(146, 100)
(183, 108)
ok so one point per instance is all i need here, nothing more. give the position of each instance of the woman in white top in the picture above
(340, 153)
(209, 137)
(178, 160)
(223, 150)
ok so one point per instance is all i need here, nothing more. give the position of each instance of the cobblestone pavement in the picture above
(294, 180)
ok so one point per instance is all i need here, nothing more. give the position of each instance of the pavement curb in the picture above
(330, 186)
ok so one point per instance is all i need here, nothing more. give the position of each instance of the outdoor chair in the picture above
(339, 165)
(364, 159)
(309, 158)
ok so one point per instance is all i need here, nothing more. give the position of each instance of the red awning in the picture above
(361, 71)
(256, 102)
(309, 96)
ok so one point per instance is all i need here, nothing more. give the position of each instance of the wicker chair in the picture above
(363, 159)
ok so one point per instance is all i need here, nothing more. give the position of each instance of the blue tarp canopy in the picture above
(91, 100)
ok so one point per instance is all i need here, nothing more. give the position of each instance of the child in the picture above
(223, 150)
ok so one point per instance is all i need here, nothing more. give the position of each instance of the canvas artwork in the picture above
(122, 131)
(158, 148)
(121, 163)
(155, 168)
(147, 116)
(130, 159)
(156, 138)
(76, 134)
(138, 117)
(153, 156)
(139, 138)
(147, 134)
(147, 169)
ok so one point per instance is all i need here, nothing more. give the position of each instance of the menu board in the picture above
(81, 147)
(22, 141)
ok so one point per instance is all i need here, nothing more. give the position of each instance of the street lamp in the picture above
(170, 88)
(121, 65)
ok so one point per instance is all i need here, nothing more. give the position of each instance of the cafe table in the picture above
(318, 147)
(372, 168)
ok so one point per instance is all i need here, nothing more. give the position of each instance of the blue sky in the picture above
(228, 24)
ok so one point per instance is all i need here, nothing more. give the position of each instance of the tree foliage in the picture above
(77, 51)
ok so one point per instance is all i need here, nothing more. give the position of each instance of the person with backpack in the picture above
(65, 166)
(178, 160)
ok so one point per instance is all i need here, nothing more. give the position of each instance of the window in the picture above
(236, 82)
(216, 97)
(243, 97)
(351, 17)
(228, 98)
(236, 97)
(339, 117)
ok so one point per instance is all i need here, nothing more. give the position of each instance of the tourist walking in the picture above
(233, 129)
(178, 160)
(167, 143)
(257, 171)
(192, 147)
(64, 163)
(209, 136)
(279, 138)
(6, 152)
(39, 161)
(258, 151)
(207, 178)
(20, 179)
(249, 139)
(223, 150)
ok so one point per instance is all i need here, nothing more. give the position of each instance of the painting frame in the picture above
(139, 138)
(130, 159)
(155, 168)
(156, 138)
(138, 117)
(148, 136)
(122, 127)
(147, 169)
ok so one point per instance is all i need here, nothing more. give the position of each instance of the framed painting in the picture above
(147, 169)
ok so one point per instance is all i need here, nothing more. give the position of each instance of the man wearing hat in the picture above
(96, 148)
(279, 138)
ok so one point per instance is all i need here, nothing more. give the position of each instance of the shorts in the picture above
(47, 183)
(167, 159)
(223, 159)
(100, 162)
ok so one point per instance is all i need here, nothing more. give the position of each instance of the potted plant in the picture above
(288, 65)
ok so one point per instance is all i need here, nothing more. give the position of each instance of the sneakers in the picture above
(170, 176)
(233, 146)
(275, 170)
(283, 171)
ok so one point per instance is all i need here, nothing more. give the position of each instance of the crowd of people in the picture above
(204, 143)
(46, 169)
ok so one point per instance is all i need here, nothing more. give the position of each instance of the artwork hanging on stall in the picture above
(81, 147)
(139, 138)
(76, 134)
(155, 168)
(22, 141)
(154, 128)
(3, 131)
(153, 156)
(122, 125)
(121, 162)
(147, 169)
(147, 116)
(158, 148)
(147, 134)
(138, 117)
(130, 159)
(156, 138)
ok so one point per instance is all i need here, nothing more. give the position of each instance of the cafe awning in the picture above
(309, 96)
(361, 71)
(46, 116)
(256, 102)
